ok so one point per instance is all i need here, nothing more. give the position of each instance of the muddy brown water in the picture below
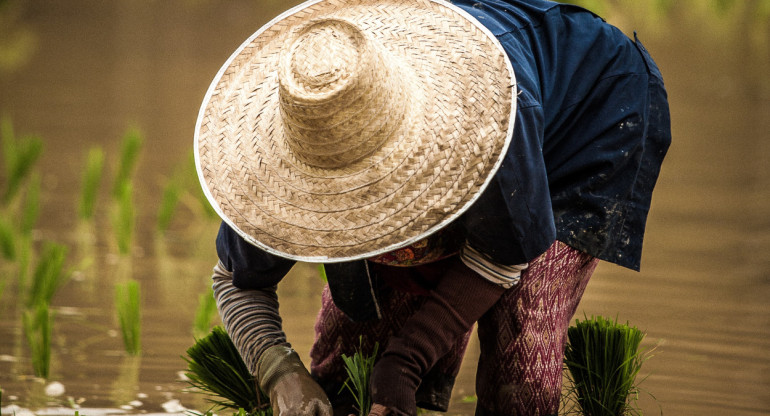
(100, 67)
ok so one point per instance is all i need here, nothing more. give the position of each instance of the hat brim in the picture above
(459, 120)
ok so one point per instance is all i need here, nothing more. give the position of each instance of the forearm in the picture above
(250, 317)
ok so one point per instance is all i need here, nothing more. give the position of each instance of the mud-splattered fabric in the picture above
(522, 339)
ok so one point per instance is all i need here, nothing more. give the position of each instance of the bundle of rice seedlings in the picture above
(127, 303)
(92, 175)
(603, 359)
(359, 368)
(217, 370)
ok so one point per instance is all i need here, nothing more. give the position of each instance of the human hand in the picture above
(297, 394)
(287, 382)
(377, 410)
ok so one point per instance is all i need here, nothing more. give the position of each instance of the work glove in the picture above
(292, 392)
(457, 302)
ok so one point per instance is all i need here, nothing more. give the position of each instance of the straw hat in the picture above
(345, 129)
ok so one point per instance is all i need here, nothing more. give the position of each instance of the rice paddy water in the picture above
(702, 290)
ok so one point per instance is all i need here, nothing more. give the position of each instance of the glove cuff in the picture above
(274, 363)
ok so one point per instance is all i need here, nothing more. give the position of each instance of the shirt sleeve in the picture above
(506, 276)
(251, 267)
(250, 316)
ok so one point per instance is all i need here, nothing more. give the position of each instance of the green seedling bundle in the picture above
(359, 368)
(604, 359)
(217, 370)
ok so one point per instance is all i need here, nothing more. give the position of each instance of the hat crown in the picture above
(339, 98)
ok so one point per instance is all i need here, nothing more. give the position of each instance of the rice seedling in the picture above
(48, 276)
(168, 204)
(192, 173)
(92, 175)
(123, 220)
(129, 154)
(204, 314)
(603, 359)
(127, 304)
(359, 369)
(37, 328)
(7, 245)
(31, 209)
(216, 369)
(322, 272)
(19, 156)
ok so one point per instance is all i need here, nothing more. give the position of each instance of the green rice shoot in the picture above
(7, 241)
(19, 157)
(322, 272)
(359, 369)
(127, 304)
(37, 329)
(206, 207)
(603, 359)
(216, 369)
(31, 206)
(92, 176)
(123, 221)
(129, 155)
(204, 314)
(48, 275)
(168, 203)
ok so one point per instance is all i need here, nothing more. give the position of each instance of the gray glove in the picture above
(281, 374)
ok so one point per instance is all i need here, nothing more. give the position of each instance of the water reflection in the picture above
(99, 67)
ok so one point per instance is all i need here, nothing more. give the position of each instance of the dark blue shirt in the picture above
(592, 127)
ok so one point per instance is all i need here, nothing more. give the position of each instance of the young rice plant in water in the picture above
(37, 329)
(216, 369)
(123, 222)
(603, 359)
(48, 276)
(127, 303)
(19, 156)
(129, 154)
(92, 175)
(204, 314)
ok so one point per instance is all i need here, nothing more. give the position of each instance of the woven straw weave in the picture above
(345, 129)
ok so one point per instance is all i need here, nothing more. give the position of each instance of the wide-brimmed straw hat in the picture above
(345, 129)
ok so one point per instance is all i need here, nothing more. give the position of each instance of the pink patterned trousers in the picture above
(521, 338)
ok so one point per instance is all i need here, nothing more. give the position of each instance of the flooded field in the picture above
(87, 72)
